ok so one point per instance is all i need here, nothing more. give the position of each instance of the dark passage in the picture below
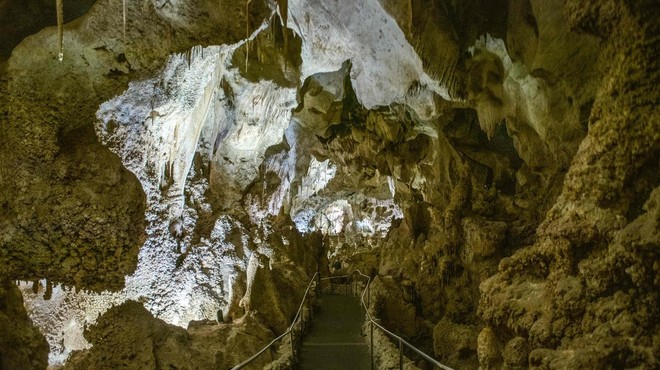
(334, 340)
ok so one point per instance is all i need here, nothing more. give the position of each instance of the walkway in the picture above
(334, 341)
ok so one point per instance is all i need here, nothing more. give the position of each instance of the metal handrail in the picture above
(402, 341)
(372, 323)
(336, 277)
(288, 331)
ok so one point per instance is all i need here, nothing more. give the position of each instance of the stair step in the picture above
(335, 340)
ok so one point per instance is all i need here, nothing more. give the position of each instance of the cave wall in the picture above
(514, 278)
(22, 346)
(52, 199)
(77, 218)
(491, 164)
(596, 248)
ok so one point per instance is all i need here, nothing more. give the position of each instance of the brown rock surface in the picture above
(129, 337)
(22, 346)
(493, 165)
(594, 261)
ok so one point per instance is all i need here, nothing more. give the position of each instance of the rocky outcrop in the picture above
(129, 337)
(68, 198)
(492, 164)
(593, 268)
(22, 346)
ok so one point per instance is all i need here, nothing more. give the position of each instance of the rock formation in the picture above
(179, 176)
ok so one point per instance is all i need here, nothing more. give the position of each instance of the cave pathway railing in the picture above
(373, 323)
(347, 281)
(289, 331)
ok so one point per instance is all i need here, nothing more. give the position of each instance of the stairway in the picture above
(334, 341)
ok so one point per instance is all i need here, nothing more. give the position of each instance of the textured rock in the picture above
(597, 219)
(129, 337)
(515, 353)
(51, 106)
(22, 346)
(492, 164)
(393, 307)
(488, 350)
(62, 237)
(455, 343)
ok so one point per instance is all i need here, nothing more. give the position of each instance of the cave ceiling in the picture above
(488, 155)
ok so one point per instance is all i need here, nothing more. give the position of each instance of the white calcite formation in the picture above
(493, 170)
(199, 127)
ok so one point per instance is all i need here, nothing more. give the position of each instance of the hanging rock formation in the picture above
(493, 165)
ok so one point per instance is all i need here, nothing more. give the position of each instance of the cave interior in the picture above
(176, 174)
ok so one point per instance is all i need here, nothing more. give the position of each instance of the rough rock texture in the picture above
(66, 221)
(19, 19)
(22, 346)
(129, 337)
(55, 201)
(594, 268)
(492, 164)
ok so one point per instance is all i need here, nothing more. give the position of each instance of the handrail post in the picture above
(400, 354)
(368, 294)
(371, 326)
(293, 353)
(310, 306)
(299, 315)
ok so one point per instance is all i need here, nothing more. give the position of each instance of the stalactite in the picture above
(284, 13)
(49, 290)
(437, 45)
(258, 50)
(490, 115)
(263, 193)
(124, 19)
(60, 29)
(271, 32)
(247, 34)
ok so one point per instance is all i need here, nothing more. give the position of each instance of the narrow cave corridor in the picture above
(183, 182)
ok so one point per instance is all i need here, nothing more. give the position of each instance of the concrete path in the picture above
(334, 341)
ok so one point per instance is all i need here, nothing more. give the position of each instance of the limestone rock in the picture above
(493, 165)
(129, 337)
(393, 308)
(482, 238)
(488, 350)
(22, 346)
(456, 343)
(597, 218)
(515, 353)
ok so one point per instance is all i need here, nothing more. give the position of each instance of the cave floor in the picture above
(335, 340)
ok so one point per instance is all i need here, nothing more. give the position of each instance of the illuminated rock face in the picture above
(493, 169)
